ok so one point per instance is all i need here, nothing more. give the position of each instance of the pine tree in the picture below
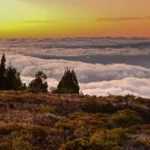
(13, 81)
(3, 61)
(75, 82)
(2, 73)
(68, 83)
(9, 77)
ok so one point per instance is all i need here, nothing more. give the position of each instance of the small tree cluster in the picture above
(39, 84)
(9, 77)
(68, 83)
(10, 80)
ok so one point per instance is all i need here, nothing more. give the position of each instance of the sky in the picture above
(74, 18)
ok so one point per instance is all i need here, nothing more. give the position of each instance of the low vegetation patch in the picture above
(73, 122)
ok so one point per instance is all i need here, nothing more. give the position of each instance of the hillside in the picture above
(73, 122)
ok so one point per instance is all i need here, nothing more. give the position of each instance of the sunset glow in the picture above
(74, 18)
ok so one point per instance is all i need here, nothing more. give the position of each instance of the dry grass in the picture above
(51, 121)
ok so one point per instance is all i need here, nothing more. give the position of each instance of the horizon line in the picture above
(82, 37)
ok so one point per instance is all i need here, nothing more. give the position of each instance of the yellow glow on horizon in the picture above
(74, 18)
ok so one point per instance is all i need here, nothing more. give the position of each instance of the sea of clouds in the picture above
(103, 66)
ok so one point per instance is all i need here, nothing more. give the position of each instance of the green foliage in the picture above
(94, 106)
(47, 109)
(117, 135)
(22, 138)
(68, 83)
(39, 84)
(77, 144)
(126, 117)
(64, 126)
(111, 126)
(101, 140)
(108, 108)
(38, 132)
(19, 144)
(8, 129)
(91, 106)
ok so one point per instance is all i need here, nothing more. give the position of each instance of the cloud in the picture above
(36, 21)
(133, 51)
(78, 47)
(95, 79)
(86, 72)
(29, 56)
(124, 18)
(135, 86)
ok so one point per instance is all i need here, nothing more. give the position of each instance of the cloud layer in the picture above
(136, 86)
(54, 55)
(95, 79)
(78, 47)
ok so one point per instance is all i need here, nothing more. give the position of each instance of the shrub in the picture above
(91, 106)
(64, 126)
(77, 144)
(47, 109)
(8, 129)
(108, 108)
(38, 132)
(126, 117)
(18, 144)
(99, 141)
(109, 139)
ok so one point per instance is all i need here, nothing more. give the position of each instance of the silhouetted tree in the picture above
(9, 77)
(3, 61)
(2, 73)
(13, 81)
(39, 84)
(68, 83)
(75, 81)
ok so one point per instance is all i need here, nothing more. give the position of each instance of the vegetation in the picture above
(91, 106)
(10, 80)
(39, 84)
(69, 122)
(68, 83)
(126, 117)
(9, 77)
(65, 120)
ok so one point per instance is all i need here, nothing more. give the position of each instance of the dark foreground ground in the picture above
(73, 122)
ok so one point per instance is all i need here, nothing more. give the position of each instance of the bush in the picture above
(18, 144)
(38, 132)
(126, 118)
(108, 108)
(101, 140)
(110, 139)
(47, 109)
(8, 129)
(64, 126)
(77, 144)
(91, 106)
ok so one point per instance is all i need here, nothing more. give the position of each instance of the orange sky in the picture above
(74, 18)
